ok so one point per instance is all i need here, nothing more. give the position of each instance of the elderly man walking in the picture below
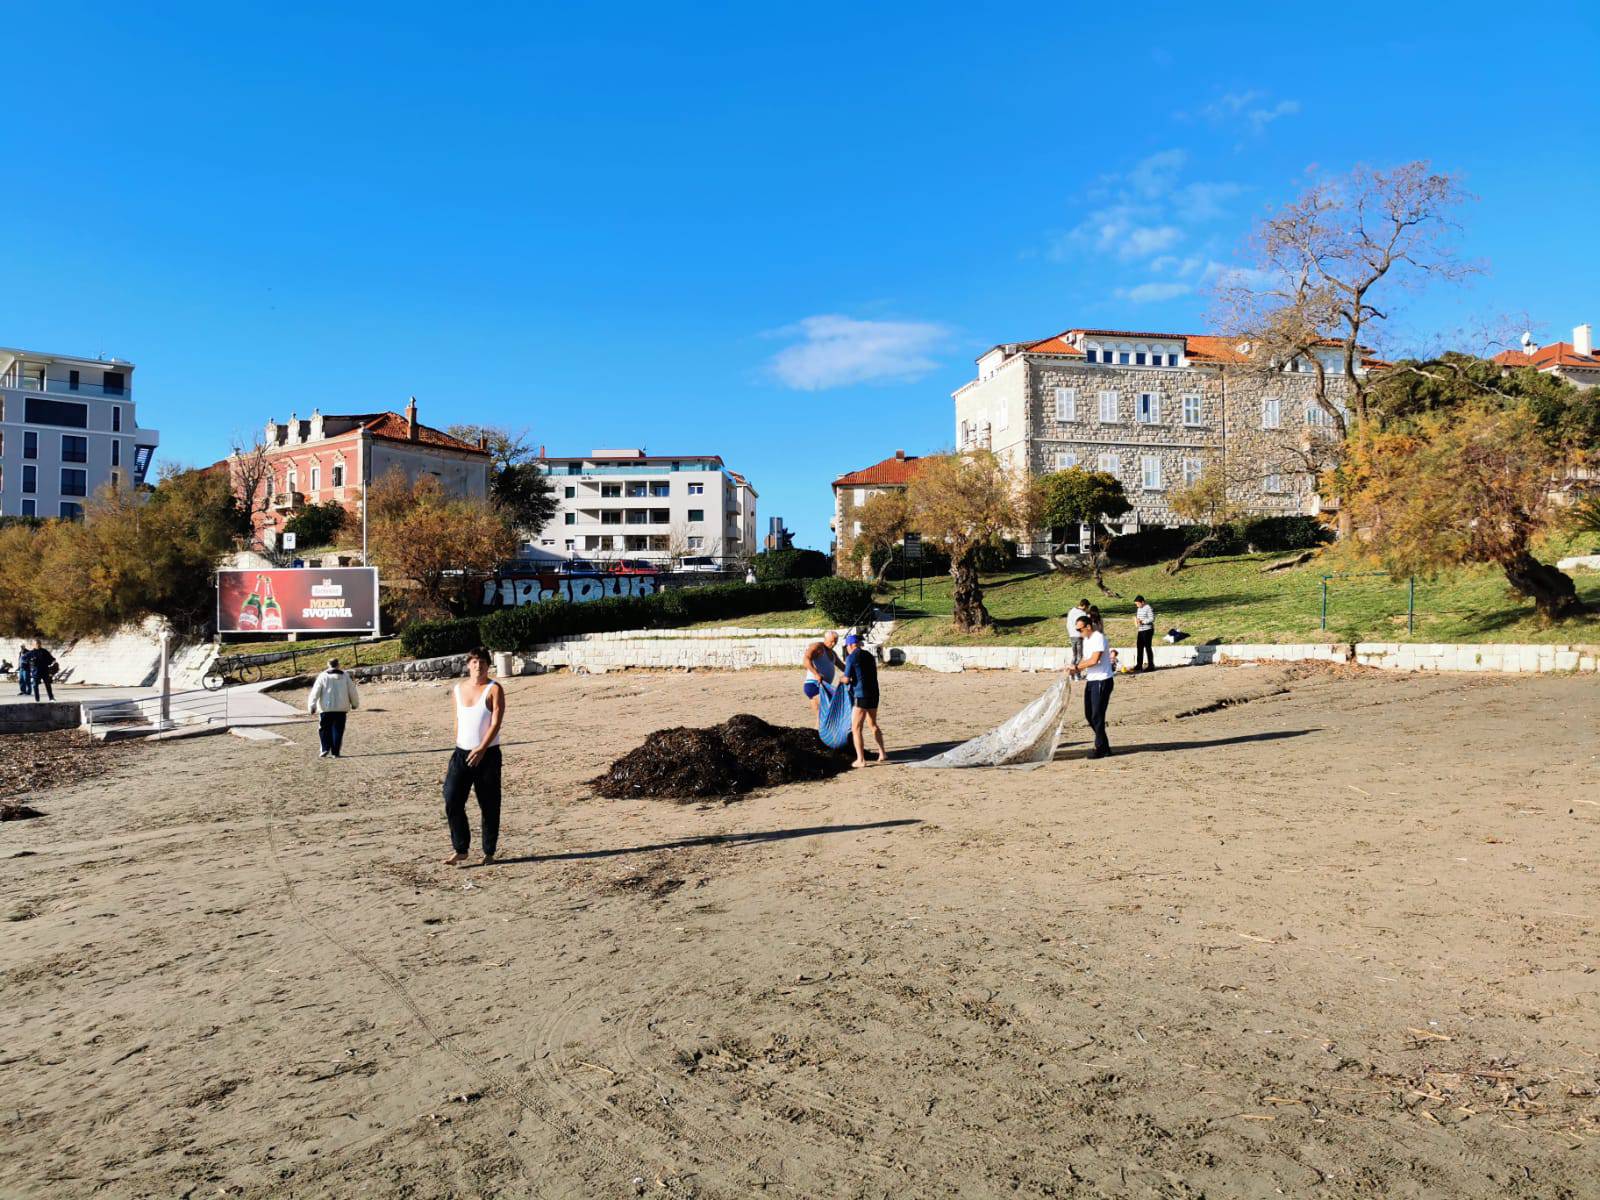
(332, 697)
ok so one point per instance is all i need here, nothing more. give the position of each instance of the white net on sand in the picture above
(1027, 740)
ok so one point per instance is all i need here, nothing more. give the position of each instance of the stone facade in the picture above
(1046, 406)
(852, 491)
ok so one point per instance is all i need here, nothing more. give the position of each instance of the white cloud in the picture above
(1154, 176)
(1260, 118)
(1227, 105)
(1145, 240)
(1197, 202)
(836, 351)
(1150, 293)
(1251, 109)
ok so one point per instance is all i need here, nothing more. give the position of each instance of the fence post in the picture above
(165, 721)
(1411, 605)
(1324, 602)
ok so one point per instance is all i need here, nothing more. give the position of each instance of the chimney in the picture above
(1583, 340)
(483, 441)
(411, 419)
(899, 453)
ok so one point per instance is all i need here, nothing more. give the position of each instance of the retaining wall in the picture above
(1506, 657)
(27, 716)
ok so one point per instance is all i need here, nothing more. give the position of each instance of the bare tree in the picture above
(252, 479)
(1325, 266)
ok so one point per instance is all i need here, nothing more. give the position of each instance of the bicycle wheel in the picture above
(249, 674)
(213, 681)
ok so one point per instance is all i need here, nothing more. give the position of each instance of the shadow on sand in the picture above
(714, 839)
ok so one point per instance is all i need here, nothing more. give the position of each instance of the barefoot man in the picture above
(820, 661)
(861, 673)
(475, 765)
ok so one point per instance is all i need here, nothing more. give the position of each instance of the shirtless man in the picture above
(820, 661)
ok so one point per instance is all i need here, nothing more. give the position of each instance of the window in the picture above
(569, 518)
(30, 508)
(857, 529)
(610, 491)
(1108, 408)
(1004, 421)
(1271, 412)
(336, 475)
(116, 416)
(1191, 410)
(1066, 404)
(661, 489)
(697, 543)
(574, 468)
(1149, 408)
(291, 480)
(1122, 358)
(116, 453)
(1108, 463)
(697, 514)
(30, 479)
(572, 543)
(611, 518)
(1273, 484)
(1318, 416)
(637, 490)
(1065, 460)
(638, 516)
(1150, 472)
(74, 482)
(569, 492)
(1193, 468)
(858, 496)
(70, 511)
(30, 444)
(115, 383)
(699, 489)
(72, 381)
(74, 448)
(116, 479)
(316, 477)
(56, 412)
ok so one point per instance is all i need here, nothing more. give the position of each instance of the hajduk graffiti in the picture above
(512, 591)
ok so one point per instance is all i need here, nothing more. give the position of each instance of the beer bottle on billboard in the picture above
(271, 613)
(250, 610)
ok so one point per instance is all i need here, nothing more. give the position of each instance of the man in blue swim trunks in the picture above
(861, 673)
(820, 661)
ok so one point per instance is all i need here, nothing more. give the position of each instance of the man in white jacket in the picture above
(333, 695)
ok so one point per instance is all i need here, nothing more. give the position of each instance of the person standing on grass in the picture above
(475, 765)
(861, 673)
(1145, 618)
(332, 698)
(1097, 672)
(820, 661)
(1079, 611)
(42, 669)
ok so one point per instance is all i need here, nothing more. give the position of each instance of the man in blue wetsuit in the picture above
(820, 661)
(861, 673)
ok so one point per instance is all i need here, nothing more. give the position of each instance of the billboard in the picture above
(298, 600)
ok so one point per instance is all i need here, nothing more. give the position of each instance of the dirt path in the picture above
(1332, 934)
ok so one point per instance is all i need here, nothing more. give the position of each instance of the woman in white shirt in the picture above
(475, 765)
(1099, 676)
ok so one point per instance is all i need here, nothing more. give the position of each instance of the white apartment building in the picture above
(67, 429)
(630, 504)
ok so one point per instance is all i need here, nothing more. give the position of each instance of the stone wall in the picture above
(37, 716)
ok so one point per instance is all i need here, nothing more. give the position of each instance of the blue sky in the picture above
(778, 234)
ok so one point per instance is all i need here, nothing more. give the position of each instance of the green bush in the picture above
(316, 524)
(774, 565)
(842, 601)
(434, 639)
(525, 627)
(1285, 533)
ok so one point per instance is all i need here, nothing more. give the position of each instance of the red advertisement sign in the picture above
(298, 600)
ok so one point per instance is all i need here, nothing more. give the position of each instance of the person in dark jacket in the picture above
(23, 684)
(42, 669)
(861, 673)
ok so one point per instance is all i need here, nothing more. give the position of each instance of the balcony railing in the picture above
(33, 383)
(287, 500)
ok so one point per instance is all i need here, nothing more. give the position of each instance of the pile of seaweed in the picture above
(738, 756)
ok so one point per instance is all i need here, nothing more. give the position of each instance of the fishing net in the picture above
(833, 715)
(1027, 740)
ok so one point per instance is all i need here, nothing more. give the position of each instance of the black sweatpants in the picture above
(1145, 649)
(484, 779)
(1096, 699)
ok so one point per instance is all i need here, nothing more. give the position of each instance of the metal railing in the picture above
(32, 383)
(188, 707)
(246, 668)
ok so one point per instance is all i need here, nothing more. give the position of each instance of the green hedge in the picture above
(771, 566)
(1285, 533)
(1159, 543)
(434, 639)
(842, 601)
(525, 627)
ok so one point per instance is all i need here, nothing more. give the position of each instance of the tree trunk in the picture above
(970, 614)
(1553, 593)
(1177, 564)
(1099, 558)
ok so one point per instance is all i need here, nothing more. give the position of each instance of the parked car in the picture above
(579, 566)
(634, 566)
(698, 563)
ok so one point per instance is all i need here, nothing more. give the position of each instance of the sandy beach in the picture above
(1310, 932)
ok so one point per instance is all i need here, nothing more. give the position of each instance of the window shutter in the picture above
(1066, 404)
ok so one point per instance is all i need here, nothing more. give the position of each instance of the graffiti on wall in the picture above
(512, 591)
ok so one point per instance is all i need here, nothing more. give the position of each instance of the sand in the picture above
(1335, 937)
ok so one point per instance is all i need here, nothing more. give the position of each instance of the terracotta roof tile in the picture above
(1557, 354)
(898, 470)
(392, 427)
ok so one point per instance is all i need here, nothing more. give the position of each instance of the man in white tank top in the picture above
(475, 764)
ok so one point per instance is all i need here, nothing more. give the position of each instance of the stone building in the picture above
(852, 490)
(1155, 410)
(1574, 361)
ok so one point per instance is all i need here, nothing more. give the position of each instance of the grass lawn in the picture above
(311, 657)
(793, 618)
(1230, 600)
